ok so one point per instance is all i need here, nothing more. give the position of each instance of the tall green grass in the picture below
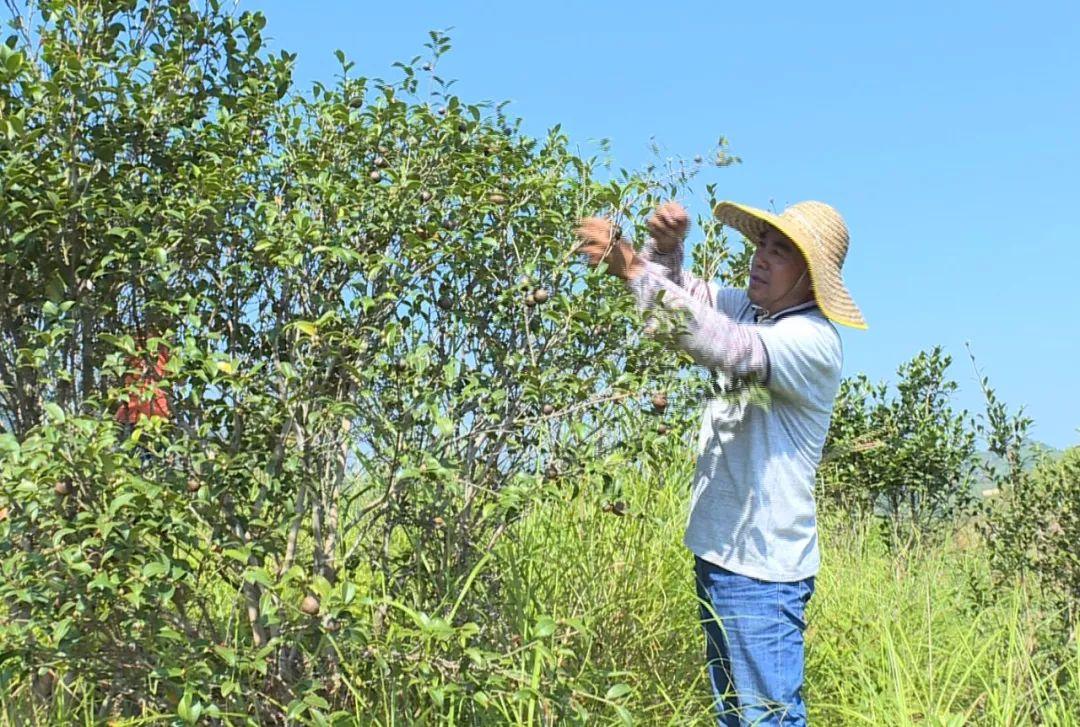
(901, 640)
(894, 639)
(605, 618)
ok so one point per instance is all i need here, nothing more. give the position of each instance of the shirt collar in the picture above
(760, 314)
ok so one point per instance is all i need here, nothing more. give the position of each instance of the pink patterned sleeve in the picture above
(711, 337)
(672, 261)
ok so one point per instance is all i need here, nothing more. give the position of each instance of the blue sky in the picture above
(948, 134)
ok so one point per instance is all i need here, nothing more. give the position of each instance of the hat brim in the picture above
(830, 292)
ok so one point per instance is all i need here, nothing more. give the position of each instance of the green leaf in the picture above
(296, 708)
(314, 700)
(124, 343)
(545, 626)
(8, 443)
(188, 709)
(237, 554)
(227, 655)
(56, 414)
(444, 425)
(155, 568)
(617, 690)
(260, 576)
(119, 501)
(306, 327)
(60, 629)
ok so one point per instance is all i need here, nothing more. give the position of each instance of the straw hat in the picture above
(819, 232)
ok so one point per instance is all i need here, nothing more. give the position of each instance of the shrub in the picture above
(907, 459)
(365, 388)
(1032, 527)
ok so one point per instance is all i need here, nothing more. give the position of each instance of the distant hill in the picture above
(1032, 454)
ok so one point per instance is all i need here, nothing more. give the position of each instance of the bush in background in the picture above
(907, 458)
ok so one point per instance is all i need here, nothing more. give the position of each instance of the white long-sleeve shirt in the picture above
(752, 508)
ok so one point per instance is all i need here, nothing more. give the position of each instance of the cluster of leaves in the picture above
(908, 458)
(1032, 525)
(1032, 519)
(381, 352)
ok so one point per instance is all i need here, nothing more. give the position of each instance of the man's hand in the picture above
(668, 225)
(600, 244)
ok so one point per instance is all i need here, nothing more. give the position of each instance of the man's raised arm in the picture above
(712, 338)
(668, 226)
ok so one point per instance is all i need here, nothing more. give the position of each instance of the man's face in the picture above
(777, 273)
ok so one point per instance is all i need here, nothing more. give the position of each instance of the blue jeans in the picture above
(753, 645)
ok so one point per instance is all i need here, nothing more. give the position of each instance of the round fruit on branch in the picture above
(659, 402)
(310, 606)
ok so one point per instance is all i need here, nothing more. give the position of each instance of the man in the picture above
(752, 525)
